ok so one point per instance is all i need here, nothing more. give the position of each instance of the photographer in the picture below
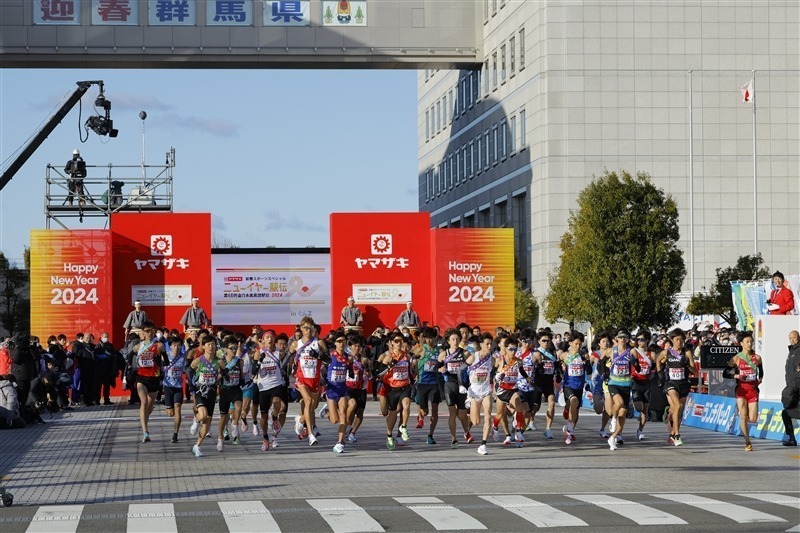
(43, 394)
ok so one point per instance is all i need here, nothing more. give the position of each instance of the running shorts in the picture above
(360, 396)
(396, 395)
(227, 396)
(532, 397)
(504, 395)
(681, 387)
(748, 392)
(207, 400)
(453, 397)
(172, 395)
(335, 392)
(427, 394)
(573, 393)
(640, 392)
(247, 392)
(266, 397)
(152, 384)
(546, 386)
(311, 384)
(625, 392)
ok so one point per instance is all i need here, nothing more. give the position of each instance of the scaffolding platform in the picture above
(107, 189)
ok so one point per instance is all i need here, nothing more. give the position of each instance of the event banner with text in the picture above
(473, 277)
(272, 288)
(70, 282)
(383, 261)
(163, 260)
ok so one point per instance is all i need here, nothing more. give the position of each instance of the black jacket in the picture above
(23, 360)
(793, 366)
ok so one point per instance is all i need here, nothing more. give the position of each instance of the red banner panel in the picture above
(163, 260)
(383, 261)
(473, 277)
(70, 282)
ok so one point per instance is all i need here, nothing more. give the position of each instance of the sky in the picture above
(269, 153)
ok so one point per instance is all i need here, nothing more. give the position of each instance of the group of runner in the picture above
(502, 377)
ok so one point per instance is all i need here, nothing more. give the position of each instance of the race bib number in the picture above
(575, 369)
(511, 376)
(175, 373)
(338, 375)
(400, 374)
(146, 361)
(676, 374)
(644, 367)
(205, 378)
(430, 365)
(548, 367)
(453, 368)
(481, 376)
(621, 370)
(309, 367)
(747, 374)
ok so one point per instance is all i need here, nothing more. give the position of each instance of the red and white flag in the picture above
(747, 92)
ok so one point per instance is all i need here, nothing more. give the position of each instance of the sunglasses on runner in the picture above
(339, 341)
(397, 340)
(232, 348)
(544, 340)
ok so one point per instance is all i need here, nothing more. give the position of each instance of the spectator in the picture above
(106, 369)
(23, 364)
(791, 394)
(781, 299)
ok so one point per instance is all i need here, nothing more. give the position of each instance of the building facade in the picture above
(568, 89)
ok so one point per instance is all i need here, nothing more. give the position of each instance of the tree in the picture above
(719, 299)
(14, 306)
(620, 264)
(526, 310)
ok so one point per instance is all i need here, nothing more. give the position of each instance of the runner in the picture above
(748, 370)
(230, 391)
(173, 383)
(480, 387)
(530, 395)
(598, 382)
(397, 367)
(206, 372)
(271, 387)
(544, 379)
(619, 385)
(148, 359)
(640, 390)
(336, 389)
(676, 362)
(308, 352)
(248, 389)
(452, 361)
(428, 381)
(356, 386)
(576, 366)
(509, 370)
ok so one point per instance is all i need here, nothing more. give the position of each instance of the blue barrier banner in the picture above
(720, 414)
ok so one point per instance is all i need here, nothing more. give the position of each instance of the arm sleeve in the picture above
(760, 371)
(786, 303)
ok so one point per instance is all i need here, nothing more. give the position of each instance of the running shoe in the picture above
(548, 434)
(671, 440)
(265, 445)
(420, 422)
(612, 425)
(566, 413)
(146, 437)
(390, 443)
(639, 434)
(603, 434)
(226, 434)
(303, 433)
(339, 448)
(351, 438)
(482, 450)
(404, 433)
(748, 447)
(196, 451)
(678, 441)
(236, 440)
(567, 438)
(620, 442)
(507, 440)
(312, 440)
(193, 429)
(454, 444)
(323, 412)
(316, 432)
(255, 429)
(468, 437)
(219, 445)
(276, 427)
(789, 442)
(430, 440)
(242, 425)
(235, 432)
(174, 438)
(298, 425)
(518, 436)
(495, 435)
(612, 443)
(531, 426)
(274, 442)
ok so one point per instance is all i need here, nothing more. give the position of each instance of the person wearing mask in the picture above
(106, 368)
(790, 397)
(781, 299)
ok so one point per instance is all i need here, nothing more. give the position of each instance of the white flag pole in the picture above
(755, 172)
(691, 188)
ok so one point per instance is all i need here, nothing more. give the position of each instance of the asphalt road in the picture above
(87, 471)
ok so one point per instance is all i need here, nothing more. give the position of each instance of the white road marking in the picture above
(248, 517)
(737, 513)
(439, 514)
(540, 514)
(641, 514)
(147, 517)
(344, 516)
(56, 519)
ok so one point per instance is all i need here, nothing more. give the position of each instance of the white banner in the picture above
(162, 295)
(344, 13)
(382, 293)
(229, 13)
(172, 13)
(270, 289)
(67, 12)
(287, 13)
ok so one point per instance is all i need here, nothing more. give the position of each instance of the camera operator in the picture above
(23, 364)
(43, 395)
(76, 170)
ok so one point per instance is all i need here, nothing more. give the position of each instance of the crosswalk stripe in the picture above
(777, 499)
(146, 517)
(248, 517)
(439, 514)
(344, 516)
(641, 514)
(795, 529)
(737, 513)
(56, 519)
(537, 513)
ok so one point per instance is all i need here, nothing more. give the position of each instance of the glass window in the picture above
(463, 172)
(511, 44)
(513, 134)
(427, 185)
(471, 159)
(488, 153)
(464, 95)
(486, 77)
(438, 115)
(522, 48)
(495, 147)
(522, 139)
(427, 126)
(504, 139)
(479, 155)
(494, 70)
(471, 97)
(503, 63)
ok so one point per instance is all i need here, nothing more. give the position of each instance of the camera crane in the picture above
(102, 125)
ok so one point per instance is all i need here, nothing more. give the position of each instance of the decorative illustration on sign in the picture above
(328, 15)
(160, 245)
(343, 12)
(381, 244)
(359, 16)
